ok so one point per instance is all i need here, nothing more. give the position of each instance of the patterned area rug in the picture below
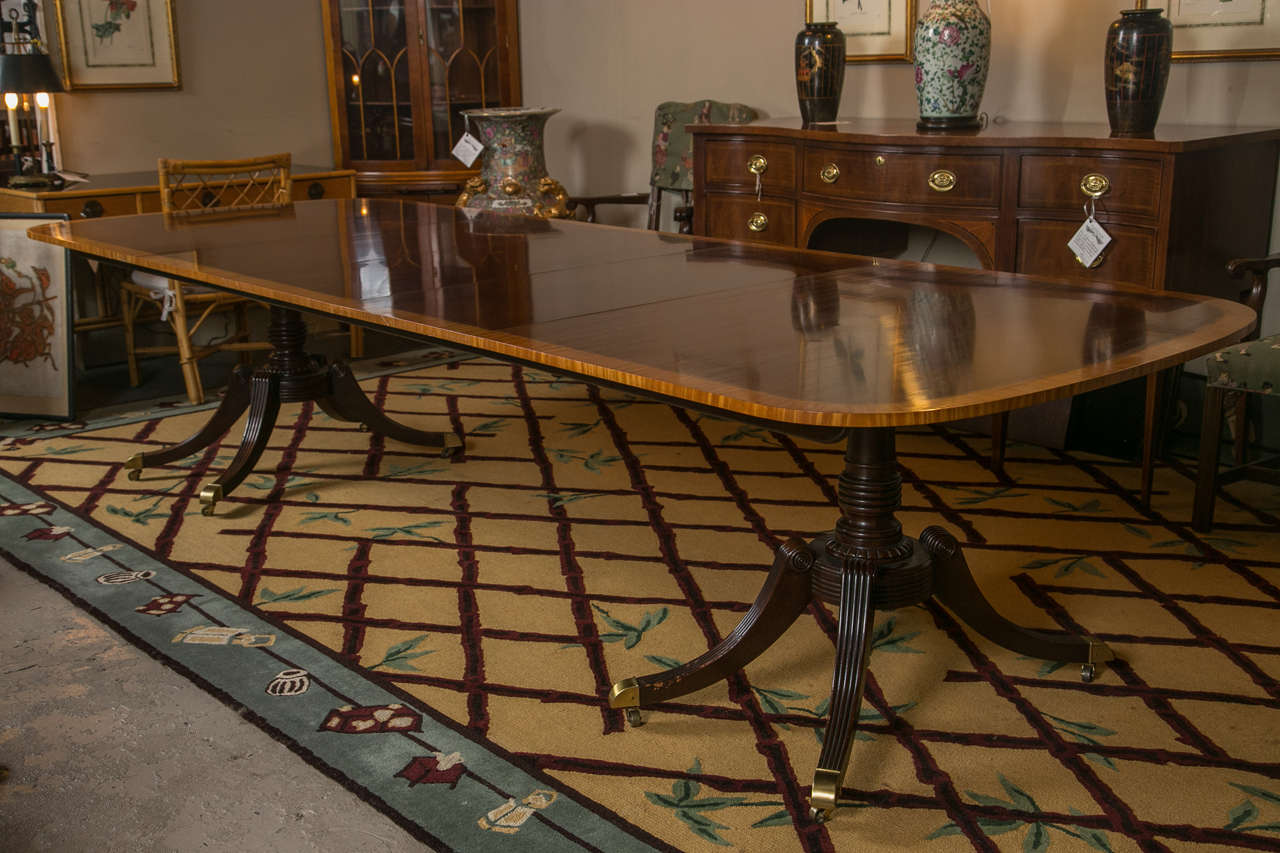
(441, 636)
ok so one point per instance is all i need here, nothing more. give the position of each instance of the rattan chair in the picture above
(191, 188)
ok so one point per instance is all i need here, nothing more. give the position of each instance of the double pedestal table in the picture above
(761, 334)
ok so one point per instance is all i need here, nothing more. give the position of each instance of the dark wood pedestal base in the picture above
(289, 376)
(865, 564)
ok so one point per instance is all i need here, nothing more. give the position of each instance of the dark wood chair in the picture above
(672, 160)
(1233, 376)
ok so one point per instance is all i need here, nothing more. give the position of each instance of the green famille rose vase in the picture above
(513, 171)
(953, 49)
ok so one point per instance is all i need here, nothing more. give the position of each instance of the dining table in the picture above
(826, 346)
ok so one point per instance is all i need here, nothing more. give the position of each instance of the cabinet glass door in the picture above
(377, 67)
(462, 55)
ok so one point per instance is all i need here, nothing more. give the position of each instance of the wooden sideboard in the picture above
(123, 193)
(1178, 206)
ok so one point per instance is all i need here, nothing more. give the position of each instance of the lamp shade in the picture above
(28, 72)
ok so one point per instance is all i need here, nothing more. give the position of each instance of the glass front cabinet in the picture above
(400, 74)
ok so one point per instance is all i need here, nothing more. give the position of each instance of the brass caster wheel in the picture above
(634, 718)
(209, 497)
(207, 509)
(1087, 671)
(818, 815)
(134, 465)
(135, 475)
(452, 447)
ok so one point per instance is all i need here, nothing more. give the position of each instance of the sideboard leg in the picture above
(234, 402)
(784, 597)
(853, 647)
(346, 401)
(954, 586)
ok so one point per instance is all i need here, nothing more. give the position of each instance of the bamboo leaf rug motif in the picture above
(442, 635)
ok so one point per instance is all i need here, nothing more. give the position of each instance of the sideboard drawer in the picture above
(1042, 250)
(742, 217)
(91, 207)
(1047, 181)
(898, 177)
(314, 188)
(729, 164)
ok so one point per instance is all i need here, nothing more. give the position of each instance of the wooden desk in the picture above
(736, 329)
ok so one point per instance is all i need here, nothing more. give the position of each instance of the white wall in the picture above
(607, 63)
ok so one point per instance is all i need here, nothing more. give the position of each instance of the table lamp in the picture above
(23, 74)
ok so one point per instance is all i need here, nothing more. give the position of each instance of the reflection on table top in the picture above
(785, 335)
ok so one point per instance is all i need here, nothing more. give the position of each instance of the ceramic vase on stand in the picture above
(952, 51)
(513, 171)
(820, 52)
(1139, 50)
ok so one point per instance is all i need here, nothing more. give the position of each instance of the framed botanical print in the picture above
(1218, 30)
(36, 371)
(117, 44)
(874, 30)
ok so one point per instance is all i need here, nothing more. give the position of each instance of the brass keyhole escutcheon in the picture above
(830, 173)
(879, 159)
(943, 180)
(757, 164)
(758, 222)
(1095, 185)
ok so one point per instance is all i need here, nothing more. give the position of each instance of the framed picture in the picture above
(36, 371)
(1220, 30)
(874, 30)
(117, 44)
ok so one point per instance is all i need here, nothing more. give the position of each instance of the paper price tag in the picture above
(468, 149)
(1089, 243)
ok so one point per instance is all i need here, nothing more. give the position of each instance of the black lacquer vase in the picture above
(820, 51)
(1139, 49)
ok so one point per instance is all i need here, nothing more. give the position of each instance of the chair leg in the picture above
(1241, 442)
(129, 305)
(242, 331)
(186, 354)
(1149, 438)
(999, 438)
(1207, 473)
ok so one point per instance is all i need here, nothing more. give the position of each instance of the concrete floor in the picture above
(103, 748)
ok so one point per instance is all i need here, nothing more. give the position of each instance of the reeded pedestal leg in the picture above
(954, 586)
(784, 597)
(264, 406)
(347, 402)
(853, 647)
(233, 404)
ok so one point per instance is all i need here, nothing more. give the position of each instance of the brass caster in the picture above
(452, 446)
(1087, 672)
(134, 466)
(209, 497)
(635, 719)
(818, 815)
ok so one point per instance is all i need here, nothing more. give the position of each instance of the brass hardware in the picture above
(822, 798)
(134, 466)
(209, 497)
(757, 164)
(1094, 185)
(625, 694)
(758, 222)
(879, 159)
(1093, 266)
(943, 180)
(830, 173)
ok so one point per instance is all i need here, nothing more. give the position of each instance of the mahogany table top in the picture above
(788, 336)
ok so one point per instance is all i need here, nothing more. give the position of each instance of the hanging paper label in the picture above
(468, 149)
(1089, 243)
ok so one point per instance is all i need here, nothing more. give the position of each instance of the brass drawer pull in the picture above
(757, 164)
(943, 180)
(1094, 185)
(758, 222)
(830, 173)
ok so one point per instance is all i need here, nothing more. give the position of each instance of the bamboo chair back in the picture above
(193, 187)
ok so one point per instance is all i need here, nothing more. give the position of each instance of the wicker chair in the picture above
(1232, 376)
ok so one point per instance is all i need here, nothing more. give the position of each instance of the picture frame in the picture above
(37, 336)
(1222, 30)
(875, 30)
(117, 44)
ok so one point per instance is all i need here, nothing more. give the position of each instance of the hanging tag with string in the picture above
(1091, 240)
(468, 147)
